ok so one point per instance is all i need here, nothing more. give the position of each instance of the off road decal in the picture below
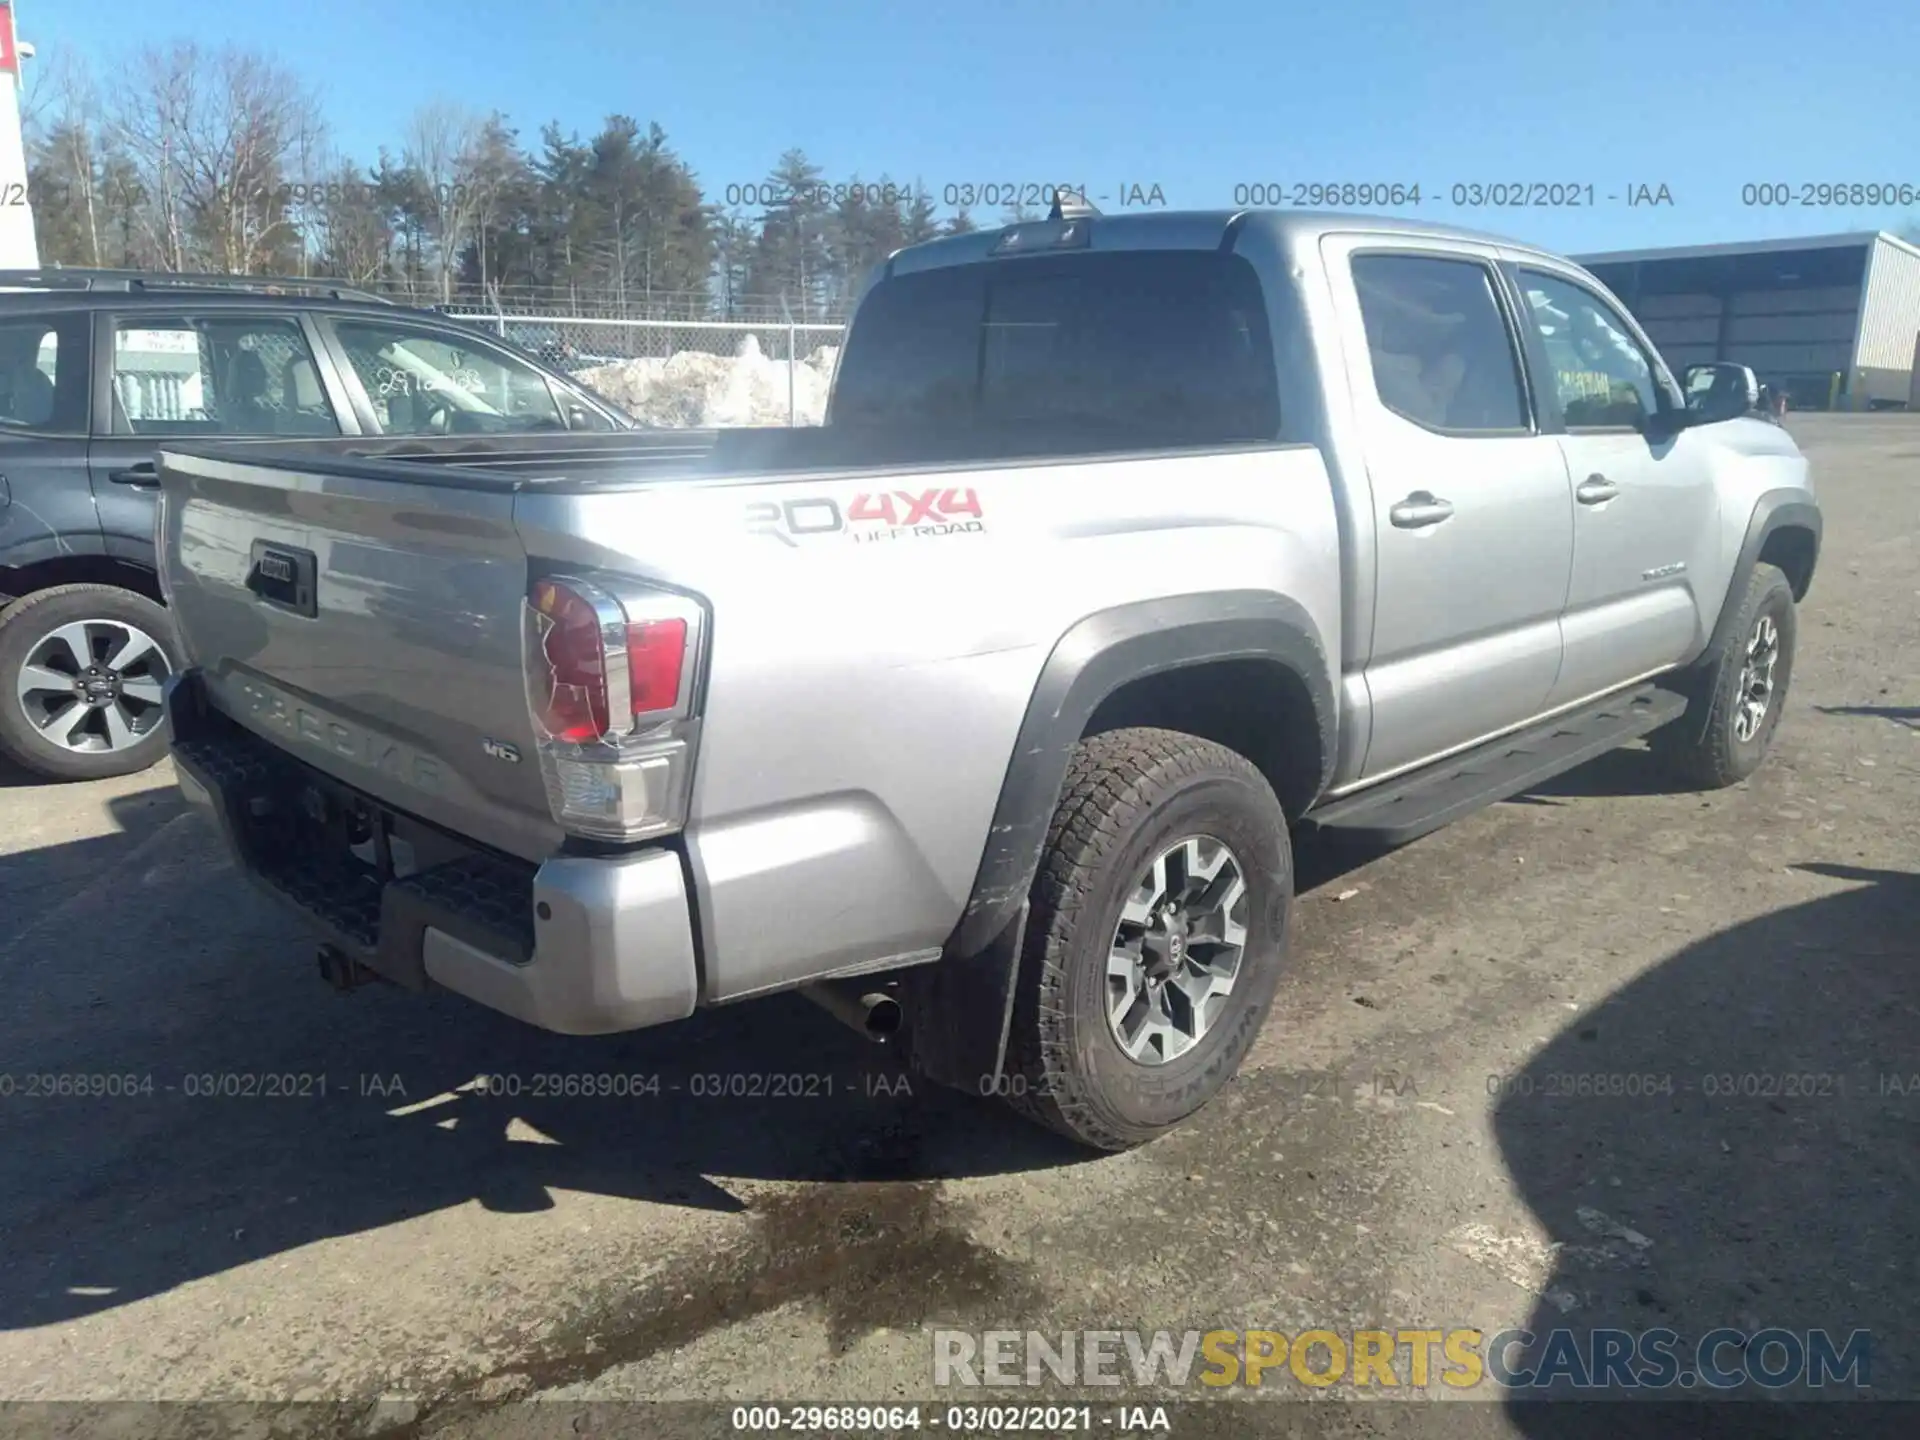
(871, 517)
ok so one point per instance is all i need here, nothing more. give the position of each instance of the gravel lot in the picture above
(1364, 1171)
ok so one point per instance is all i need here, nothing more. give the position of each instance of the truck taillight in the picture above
(569, 673)
(612, 667)
(656, 654)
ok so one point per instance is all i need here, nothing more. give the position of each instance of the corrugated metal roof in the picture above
(1860, 239)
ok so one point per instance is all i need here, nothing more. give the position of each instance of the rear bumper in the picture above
(580, 945)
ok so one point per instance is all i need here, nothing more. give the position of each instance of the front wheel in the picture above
(81, 671)
(1743, 687)
(1155, 940)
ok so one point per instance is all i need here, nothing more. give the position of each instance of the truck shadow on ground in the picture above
(1907, 715)
(1630, 770)
(1760, 1168)
(53, 869)
(184, 1095)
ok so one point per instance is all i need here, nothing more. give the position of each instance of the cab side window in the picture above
(1603, 377)
(43, 384)
(216, 375)
(1442, 352)
(420, 383)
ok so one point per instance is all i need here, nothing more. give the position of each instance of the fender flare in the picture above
(1774, 511)
(1091, 661)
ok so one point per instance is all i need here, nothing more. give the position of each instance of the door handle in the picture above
(1419, 510)
(1596, 490)
(144, 476)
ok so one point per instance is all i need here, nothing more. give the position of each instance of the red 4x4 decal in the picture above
(930, 513)
(928, 507)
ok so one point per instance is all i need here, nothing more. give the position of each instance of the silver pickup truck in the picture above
(983, 713)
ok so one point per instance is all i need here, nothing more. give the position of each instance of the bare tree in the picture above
(195, 157)
(149, 121)
(444, 147)
(59, 121)
(212, 138)
(48, 98)
(501, 185)
(350, 231)
(312, 158)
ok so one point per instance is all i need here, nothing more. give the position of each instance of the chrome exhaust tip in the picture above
(874, 1013)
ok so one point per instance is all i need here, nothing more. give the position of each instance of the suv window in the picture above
(216, 375)
(1603, 377)
(421, 383)
(1151, 348)
(43, 383)
(1443, 356)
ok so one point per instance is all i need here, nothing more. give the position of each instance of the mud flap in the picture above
(1695, 684)
(959, 1013)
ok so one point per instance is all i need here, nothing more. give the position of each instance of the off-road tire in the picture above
(1703, 752)
(27, 621)
(1128, 794)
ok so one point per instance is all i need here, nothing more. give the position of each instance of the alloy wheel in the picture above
(94, 686)
(1755, 695)
(1177, 949)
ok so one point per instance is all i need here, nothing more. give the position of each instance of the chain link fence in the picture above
(608, 302)
(683, 372)
(612, 302)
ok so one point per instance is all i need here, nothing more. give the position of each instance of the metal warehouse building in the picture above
(1833, 319)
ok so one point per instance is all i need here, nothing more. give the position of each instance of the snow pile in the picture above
(696, 390)
(823, 360)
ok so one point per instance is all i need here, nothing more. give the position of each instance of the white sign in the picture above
(156, 342)
(19, 248)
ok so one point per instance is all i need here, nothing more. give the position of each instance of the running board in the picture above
(1409, 806)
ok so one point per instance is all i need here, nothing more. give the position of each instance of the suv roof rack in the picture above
(57, 277)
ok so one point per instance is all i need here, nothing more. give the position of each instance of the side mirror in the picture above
(1717, 392)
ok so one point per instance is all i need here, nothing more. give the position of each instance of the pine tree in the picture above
(791, 261)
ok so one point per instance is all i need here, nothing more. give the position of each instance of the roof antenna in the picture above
(1070, 205)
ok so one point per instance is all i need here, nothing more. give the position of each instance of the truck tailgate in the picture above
(370, 627)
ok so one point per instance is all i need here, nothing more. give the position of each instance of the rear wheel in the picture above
(1155, 940)
(81, 671)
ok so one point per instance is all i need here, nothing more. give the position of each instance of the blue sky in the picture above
(1701, 96)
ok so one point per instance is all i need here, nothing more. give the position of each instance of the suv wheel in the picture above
(1743, 688)
(1155, 940)
(81, 670)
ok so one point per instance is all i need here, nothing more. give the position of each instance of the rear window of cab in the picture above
(1130, 349)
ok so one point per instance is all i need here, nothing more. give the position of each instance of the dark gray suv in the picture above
(97, 367)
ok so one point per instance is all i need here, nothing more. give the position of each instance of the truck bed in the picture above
(587, 463)
(466, 462)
